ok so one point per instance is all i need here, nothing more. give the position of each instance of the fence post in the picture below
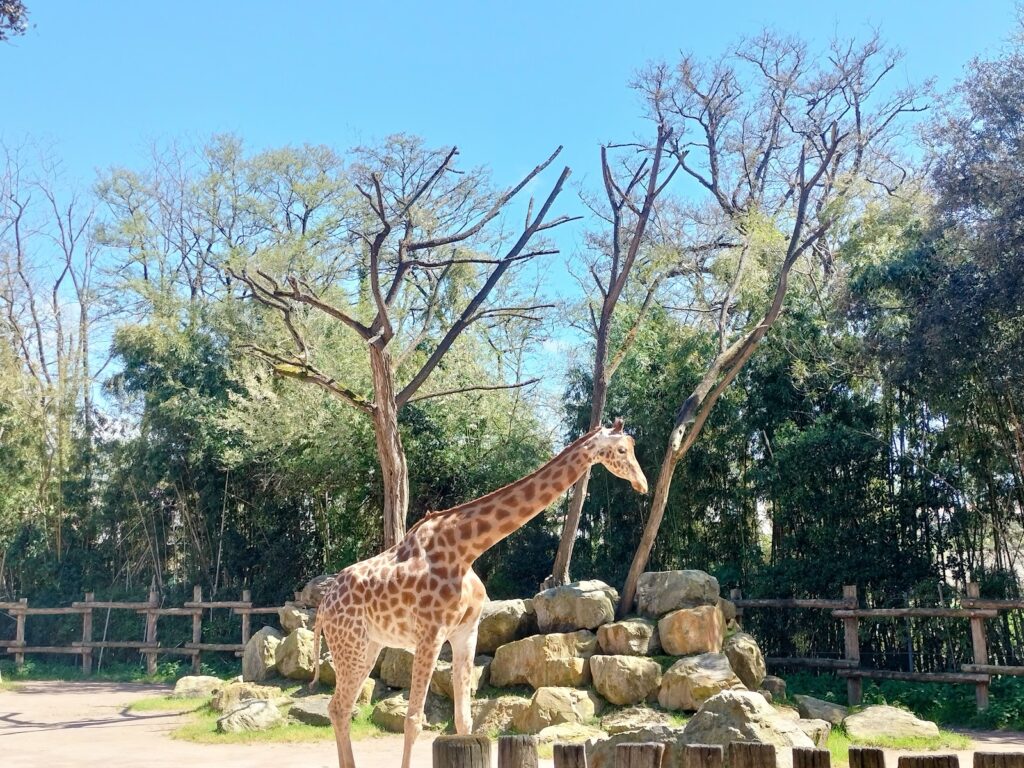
(197, 627)
(87, 635)
(703, 756)
(737, 594)
(151, 617)
(999, 760)
(806, 757)
(462, 752)
(517, 752)
(19, 633)
(980, 643)
(751, 755)
(645, 755)
(570, 756)
(246, 617)
(928, 761)
(851, 638)
(866, 757)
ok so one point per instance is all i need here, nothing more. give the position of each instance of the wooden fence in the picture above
(847, 610)
(521, 752)
(149, 645)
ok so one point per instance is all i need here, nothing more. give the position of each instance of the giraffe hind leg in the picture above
(423, 664)
(354, 655)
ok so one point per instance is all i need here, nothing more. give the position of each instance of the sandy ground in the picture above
(86, 724)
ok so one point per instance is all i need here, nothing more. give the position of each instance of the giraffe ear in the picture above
(617, 426)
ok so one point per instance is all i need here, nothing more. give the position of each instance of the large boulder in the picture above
(196, 687)
(294, 656)
(632, 718)
(372, 690)
(552, 705)
(442, 682)
(503, 621)
(499, 715)
(315, 589)
(776, 686)
(569, 733)
(817, 730)
(746, 659)
(560, 659)
(396, 669)
(631, 637)
(294, 617)
(581, 605)
(692, 630)
(880, 720)
(233, 694)
(743, 716)
(625, 679)
(259, 656)
(601, 752)
(658, 592)
(327, 674)
(251, 716)
(312, 710)
(818, 709)
(691, 681)
(390, 713)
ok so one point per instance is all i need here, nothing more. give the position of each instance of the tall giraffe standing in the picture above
(423, 591)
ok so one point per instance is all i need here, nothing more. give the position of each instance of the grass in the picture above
(839, 743)
(168, 704)
(115, 671)
(9, 685)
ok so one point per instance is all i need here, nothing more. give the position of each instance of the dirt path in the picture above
(87, 725)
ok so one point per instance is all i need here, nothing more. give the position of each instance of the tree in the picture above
(13, 19)
(421, 227)
(782, 146)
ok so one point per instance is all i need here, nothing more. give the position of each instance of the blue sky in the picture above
(506, 82)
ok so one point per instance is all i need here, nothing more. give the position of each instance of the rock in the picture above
(552, 705)
(631, 637)
(251, 716)
(880, 720)
(692, 630)
(545, 660)
(372, 690)
(258, 658)
(728, 609)
(743, 716)
(293, 617)
(746, 659)
(766, 694)
(396, 669)
(659, 592)
(581, 605)
(775, 685)
(492, 716)
(390, 713)
(632, 718)
(817, 709)
(315, 589)
(294, 655)
(601, 752)
(503, 621)
(691, 681)
(327, 673)
(196, 687)
(311, 710)
(625, 679)
(442, 681)
(569, 733)
(231, 696)
(817, 730)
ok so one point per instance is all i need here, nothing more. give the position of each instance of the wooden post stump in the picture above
(517, 752)
(644, 755)
(87, 635)
(806, 757)
(928, 761)
(737, 594)
(462, 752)
(570, 756)
(246, 617)
(197, 627)
(748, 755)
(851, 638)
(999, 760)
(19, 632)
(980, 643)
(703, 756)
(866, 757)
(151, 618)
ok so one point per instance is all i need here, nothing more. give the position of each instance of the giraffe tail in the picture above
(317, 629)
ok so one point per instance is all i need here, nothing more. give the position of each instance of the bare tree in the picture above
(424, 275)
(13, 19)
(783, 143)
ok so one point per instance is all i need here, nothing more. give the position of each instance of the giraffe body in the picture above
(423, 592)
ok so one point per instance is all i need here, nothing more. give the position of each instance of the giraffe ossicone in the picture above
(423, 592)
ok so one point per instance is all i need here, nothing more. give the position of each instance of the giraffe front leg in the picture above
(463, 642)
(352, 667)
(422, 669)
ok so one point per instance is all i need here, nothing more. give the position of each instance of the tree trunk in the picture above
(394, 470)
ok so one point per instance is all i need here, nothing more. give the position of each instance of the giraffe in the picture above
(423, 592)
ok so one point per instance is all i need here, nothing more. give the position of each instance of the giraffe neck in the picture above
(482, 523)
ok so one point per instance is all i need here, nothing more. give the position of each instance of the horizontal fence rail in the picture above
(847, 610)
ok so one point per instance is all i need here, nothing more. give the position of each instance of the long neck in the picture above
(482, 523)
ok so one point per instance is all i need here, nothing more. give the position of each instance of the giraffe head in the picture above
(614, 449)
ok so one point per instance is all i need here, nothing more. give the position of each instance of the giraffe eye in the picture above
(621, 450)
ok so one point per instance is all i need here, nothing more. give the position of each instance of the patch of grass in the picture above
(839, 743)
(9, 685)
(202, 729)
(678, 719)
(168, 704)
